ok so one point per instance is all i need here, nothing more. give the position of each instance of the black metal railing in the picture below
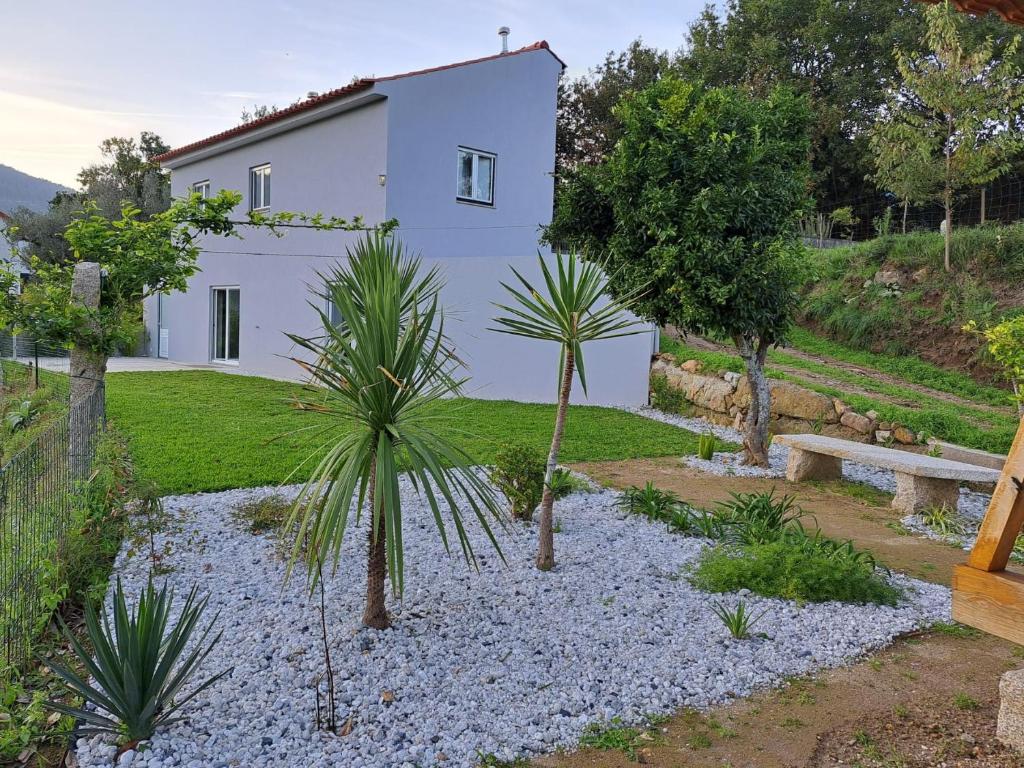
(39, 486)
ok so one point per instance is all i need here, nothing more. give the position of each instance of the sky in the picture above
(73, 73)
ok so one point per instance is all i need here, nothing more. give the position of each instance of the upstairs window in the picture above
(202, 188)
(259, 187)
(476, 176)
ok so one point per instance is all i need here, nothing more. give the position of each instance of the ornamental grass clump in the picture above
(140, 666)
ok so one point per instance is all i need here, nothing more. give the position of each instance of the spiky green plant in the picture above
(139, 666)
(757, 518)
(380, 371)
(737, 620)
(571, 311)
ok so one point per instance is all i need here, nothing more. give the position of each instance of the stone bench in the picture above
(921, 481)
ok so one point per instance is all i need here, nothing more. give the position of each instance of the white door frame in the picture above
(215, 331)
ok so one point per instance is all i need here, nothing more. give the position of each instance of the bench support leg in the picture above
(807, 465)
(914, 494)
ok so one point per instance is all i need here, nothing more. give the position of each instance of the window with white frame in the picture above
(476, 176)
(259, 187)
(202, 188)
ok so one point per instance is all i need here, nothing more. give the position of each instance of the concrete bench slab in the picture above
(921, 481)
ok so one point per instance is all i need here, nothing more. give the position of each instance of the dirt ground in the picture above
(929, 700)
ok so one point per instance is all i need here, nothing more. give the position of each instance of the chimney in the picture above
(503, 34)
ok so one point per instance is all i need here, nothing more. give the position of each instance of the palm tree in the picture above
(381, 369)
(569, 315)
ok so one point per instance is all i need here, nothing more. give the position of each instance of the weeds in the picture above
(737, 620)
(613, 734)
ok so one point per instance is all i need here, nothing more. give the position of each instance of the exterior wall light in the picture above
(382, 179)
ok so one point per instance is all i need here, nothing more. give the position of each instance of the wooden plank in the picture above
(992, 602)
(1005, 514)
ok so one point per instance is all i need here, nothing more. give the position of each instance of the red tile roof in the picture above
(329, 96)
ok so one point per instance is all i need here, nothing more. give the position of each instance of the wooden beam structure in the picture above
(1011, 10)
(985, 594)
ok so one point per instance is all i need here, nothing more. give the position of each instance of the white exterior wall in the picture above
(506, 106)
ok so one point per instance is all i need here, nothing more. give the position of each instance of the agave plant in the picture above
(139, 667)
(569, 313)
(380, 372)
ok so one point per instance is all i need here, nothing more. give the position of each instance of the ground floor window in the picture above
(225, 311)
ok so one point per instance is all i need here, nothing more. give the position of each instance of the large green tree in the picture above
(698, 204)
(952, 123)
(127, 174)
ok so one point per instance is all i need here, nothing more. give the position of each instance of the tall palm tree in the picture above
(381, 369)
(570, 314)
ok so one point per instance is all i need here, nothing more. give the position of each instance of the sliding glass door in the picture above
(225, 325)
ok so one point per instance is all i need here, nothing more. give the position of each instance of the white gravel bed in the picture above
(507, 660)
(972, 503)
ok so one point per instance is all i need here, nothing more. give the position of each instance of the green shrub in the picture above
(793, 568)
(667, 398)
(649, 501)
(518, 473)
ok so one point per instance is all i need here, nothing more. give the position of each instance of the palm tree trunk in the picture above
(375, 614)
(546, 540)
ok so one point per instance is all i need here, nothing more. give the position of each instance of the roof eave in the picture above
(272, 128)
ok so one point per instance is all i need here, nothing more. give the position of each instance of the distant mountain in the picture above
(19, 190)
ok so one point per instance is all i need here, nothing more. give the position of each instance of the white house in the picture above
(461, 155)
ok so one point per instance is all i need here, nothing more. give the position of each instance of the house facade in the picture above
(461, 155)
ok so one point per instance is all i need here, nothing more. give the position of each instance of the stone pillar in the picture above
(807, 465)
(914, 493)
(1010, 726)
(87, 407)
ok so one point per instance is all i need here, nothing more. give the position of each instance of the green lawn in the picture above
(207, 431)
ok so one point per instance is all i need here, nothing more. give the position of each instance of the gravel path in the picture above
(507, 660)
(972, 503)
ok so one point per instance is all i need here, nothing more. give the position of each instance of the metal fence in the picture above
(38, 488)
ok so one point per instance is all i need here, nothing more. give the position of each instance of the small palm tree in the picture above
(381, 369)
(569, 315)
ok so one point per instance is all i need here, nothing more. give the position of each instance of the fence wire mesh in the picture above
(39, 485)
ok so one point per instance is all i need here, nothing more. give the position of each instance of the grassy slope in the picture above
(985, 430)
(205, 431)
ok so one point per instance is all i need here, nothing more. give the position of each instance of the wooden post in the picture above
(88, 368)
(985, 594)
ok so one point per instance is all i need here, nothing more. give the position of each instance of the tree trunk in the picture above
(546, 539)
(947, 192)
(905, 205)
(755, 428)
(375, 614)
(947, 201)
(1017, 396)
(983, 205)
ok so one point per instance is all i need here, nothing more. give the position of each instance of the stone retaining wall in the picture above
(724, 397)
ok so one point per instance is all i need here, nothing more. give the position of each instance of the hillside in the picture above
(890, 295)
(19, 190)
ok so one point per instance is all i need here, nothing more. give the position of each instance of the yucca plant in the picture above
(139, 666)
(570, 313)
(379, 374)
(738, 620)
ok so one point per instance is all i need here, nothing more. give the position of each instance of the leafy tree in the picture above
(381, 370)
(953, 119)
(587, 128)
(570, 310)
(698, 206)
(903, 166)
(139, 257)
(127, 174)
(1005, 343)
